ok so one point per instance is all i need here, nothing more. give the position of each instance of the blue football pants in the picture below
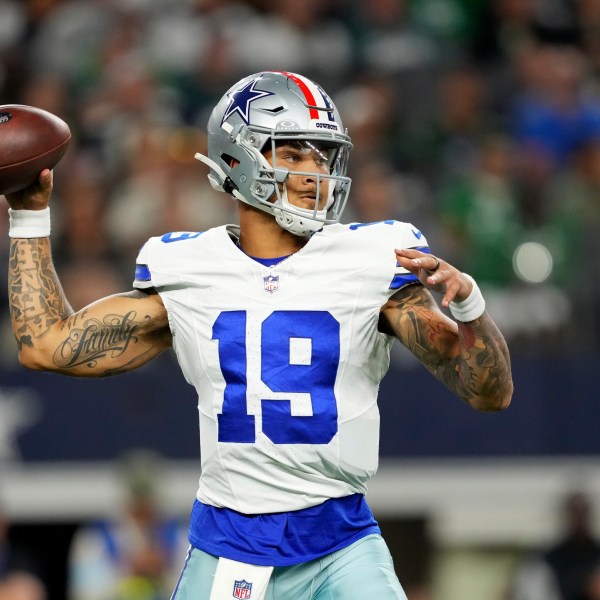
(363, 570)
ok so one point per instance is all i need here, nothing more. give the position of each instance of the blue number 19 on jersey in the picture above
(281, 372)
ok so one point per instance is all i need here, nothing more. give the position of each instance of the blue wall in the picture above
(554, 412)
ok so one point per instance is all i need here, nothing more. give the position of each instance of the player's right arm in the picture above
(110, 336)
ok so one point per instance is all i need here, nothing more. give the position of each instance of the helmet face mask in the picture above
(261, 113)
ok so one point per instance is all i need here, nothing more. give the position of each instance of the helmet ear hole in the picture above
(229, 160)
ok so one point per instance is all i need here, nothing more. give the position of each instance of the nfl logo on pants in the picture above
(242, 589)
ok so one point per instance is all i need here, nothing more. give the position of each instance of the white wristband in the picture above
(471, 308)
(29, 223)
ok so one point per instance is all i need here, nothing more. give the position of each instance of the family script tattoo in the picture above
(96, 339)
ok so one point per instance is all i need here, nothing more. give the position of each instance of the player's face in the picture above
(309, 160)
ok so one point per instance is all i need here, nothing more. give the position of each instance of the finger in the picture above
(436, 263)
(409, 253)
(436, 278)
(450, 294)
(45, 180)
(418, 260)
(405, 258)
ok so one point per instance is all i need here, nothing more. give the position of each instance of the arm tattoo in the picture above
(470, 358)
(483, 365)
(87, 343)
(96, 339)
(138, 360)
(37, 300)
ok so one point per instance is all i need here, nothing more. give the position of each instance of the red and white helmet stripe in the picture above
(315, 97)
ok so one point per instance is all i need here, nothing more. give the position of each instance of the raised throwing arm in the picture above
(472, 357)
(110, 336)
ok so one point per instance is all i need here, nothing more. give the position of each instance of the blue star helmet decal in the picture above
(240, 101)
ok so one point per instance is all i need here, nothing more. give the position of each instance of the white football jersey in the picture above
(286, 360)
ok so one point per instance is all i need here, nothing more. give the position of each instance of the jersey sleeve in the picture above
(167, 260)
(143, 277)
(407, 236)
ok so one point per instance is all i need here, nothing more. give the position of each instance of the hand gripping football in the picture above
(31, 140)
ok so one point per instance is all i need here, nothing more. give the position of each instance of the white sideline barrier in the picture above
(470, 501)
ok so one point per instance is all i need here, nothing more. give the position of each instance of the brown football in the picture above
(31, 140)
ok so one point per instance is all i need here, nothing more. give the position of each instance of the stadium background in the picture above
(477, 121)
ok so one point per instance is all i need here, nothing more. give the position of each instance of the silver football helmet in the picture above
(259, 113)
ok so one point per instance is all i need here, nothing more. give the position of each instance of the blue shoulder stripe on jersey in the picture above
(178, 236)
(403, 279)
(142, 273)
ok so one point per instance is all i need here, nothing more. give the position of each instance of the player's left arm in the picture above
(471, 358)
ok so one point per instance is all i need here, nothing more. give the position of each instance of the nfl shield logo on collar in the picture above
(271, 283)
(242, 589)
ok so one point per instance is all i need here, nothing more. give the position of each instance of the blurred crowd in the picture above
(569, 569)
(18, 578)
(134, 552)
(476, 120)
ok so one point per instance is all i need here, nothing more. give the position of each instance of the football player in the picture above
(283, 323)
